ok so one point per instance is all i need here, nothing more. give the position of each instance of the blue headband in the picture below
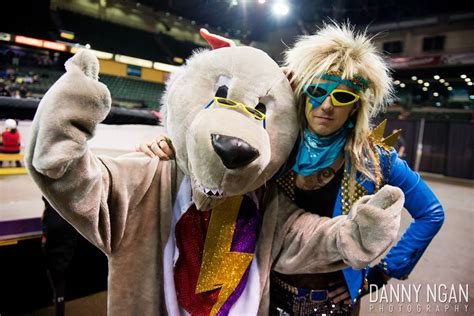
(358, 83)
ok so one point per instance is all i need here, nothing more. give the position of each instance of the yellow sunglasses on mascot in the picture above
(234, 104)
(317, 93)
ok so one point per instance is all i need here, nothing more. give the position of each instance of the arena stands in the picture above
(123, 89)
(112, 37)
(125, 92)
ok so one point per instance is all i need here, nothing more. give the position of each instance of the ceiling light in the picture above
(402, 85)
(446, 84)
(424, 89)
(450, 88)
(134, 61)
(436, 77)
(463, 76)
(419, 81)
(396, 82)
(413, 78)
(436, 94)
(441, 80)
(467, 79)
(426, 84)
(469, 83)
(280, 9)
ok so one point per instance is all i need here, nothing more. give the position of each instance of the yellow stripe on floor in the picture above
(12, 171)
(14, 241)
(11, 157)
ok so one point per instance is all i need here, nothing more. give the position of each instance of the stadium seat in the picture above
(146, 94)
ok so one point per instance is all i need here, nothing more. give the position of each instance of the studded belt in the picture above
(317, 296)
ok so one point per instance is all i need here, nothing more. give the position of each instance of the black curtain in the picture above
(435, 143)
(409, 134)
(448, 146)
(460, 146)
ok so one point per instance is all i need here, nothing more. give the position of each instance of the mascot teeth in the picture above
(215, 193)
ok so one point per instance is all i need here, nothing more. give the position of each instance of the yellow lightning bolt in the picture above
(221, 268)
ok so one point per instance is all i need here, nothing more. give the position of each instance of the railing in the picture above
(25, 109)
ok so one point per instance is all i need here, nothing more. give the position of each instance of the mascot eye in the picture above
(222, 92)
(261, 107)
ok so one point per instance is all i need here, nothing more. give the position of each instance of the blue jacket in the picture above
(421, 203)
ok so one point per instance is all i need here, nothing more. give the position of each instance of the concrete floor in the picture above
(20, 197)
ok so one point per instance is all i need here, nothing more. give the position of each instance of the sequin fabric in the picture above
(190, 233)
(245, 241)
(216, 249)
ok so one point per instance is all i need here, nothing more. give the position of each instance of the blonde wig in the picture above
(340, 49)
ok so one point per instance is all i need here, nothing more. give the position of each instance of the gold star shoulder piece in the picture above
(386, 142)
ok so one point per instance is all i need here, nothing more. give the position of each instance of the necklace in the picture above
(320, 178)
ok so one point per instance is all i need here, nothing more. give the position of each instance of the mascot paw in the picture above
(373, 223)
(87, 62)
(379, 212)
(71, 110)
(378, 217)
(387, 199)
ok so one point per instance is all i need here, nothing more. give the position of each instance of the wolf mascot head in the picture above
(231, 114)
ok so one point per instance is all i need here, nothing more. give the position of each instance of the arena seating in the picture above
(46, 77)
(120, 39)
(134, 90)
(144, 93)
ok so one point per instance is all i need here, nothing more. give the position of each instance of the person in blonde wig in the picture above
(351, 56)
(341, 82)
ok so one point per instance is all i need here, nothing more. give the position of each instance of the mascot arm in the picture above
(314, 244)
(78, 184)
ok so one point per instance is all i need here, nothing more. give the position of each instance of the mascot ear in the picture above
(216, 41)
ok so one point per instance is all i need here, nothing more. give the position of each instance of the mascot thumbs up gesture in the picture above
(198, 235)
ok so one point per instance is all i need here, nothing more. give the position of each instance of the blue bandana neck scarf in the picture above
(318, 152)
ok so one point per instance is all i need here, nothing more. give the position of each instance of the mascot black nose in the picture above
(234, 152)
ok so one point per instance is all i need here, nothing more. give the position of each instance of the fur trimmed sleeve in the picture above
(314, 244)
(81, 186)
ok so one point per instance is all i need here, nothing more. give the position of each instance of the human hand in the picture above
(289, 75)
(340, 293)
(385, 277)
(161, 147)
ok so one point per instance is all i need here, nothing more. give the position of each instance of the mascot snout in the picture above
(233, 157)
(234, 152)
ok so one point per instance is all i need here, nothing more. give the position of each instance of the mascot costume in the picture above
(198, 235)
